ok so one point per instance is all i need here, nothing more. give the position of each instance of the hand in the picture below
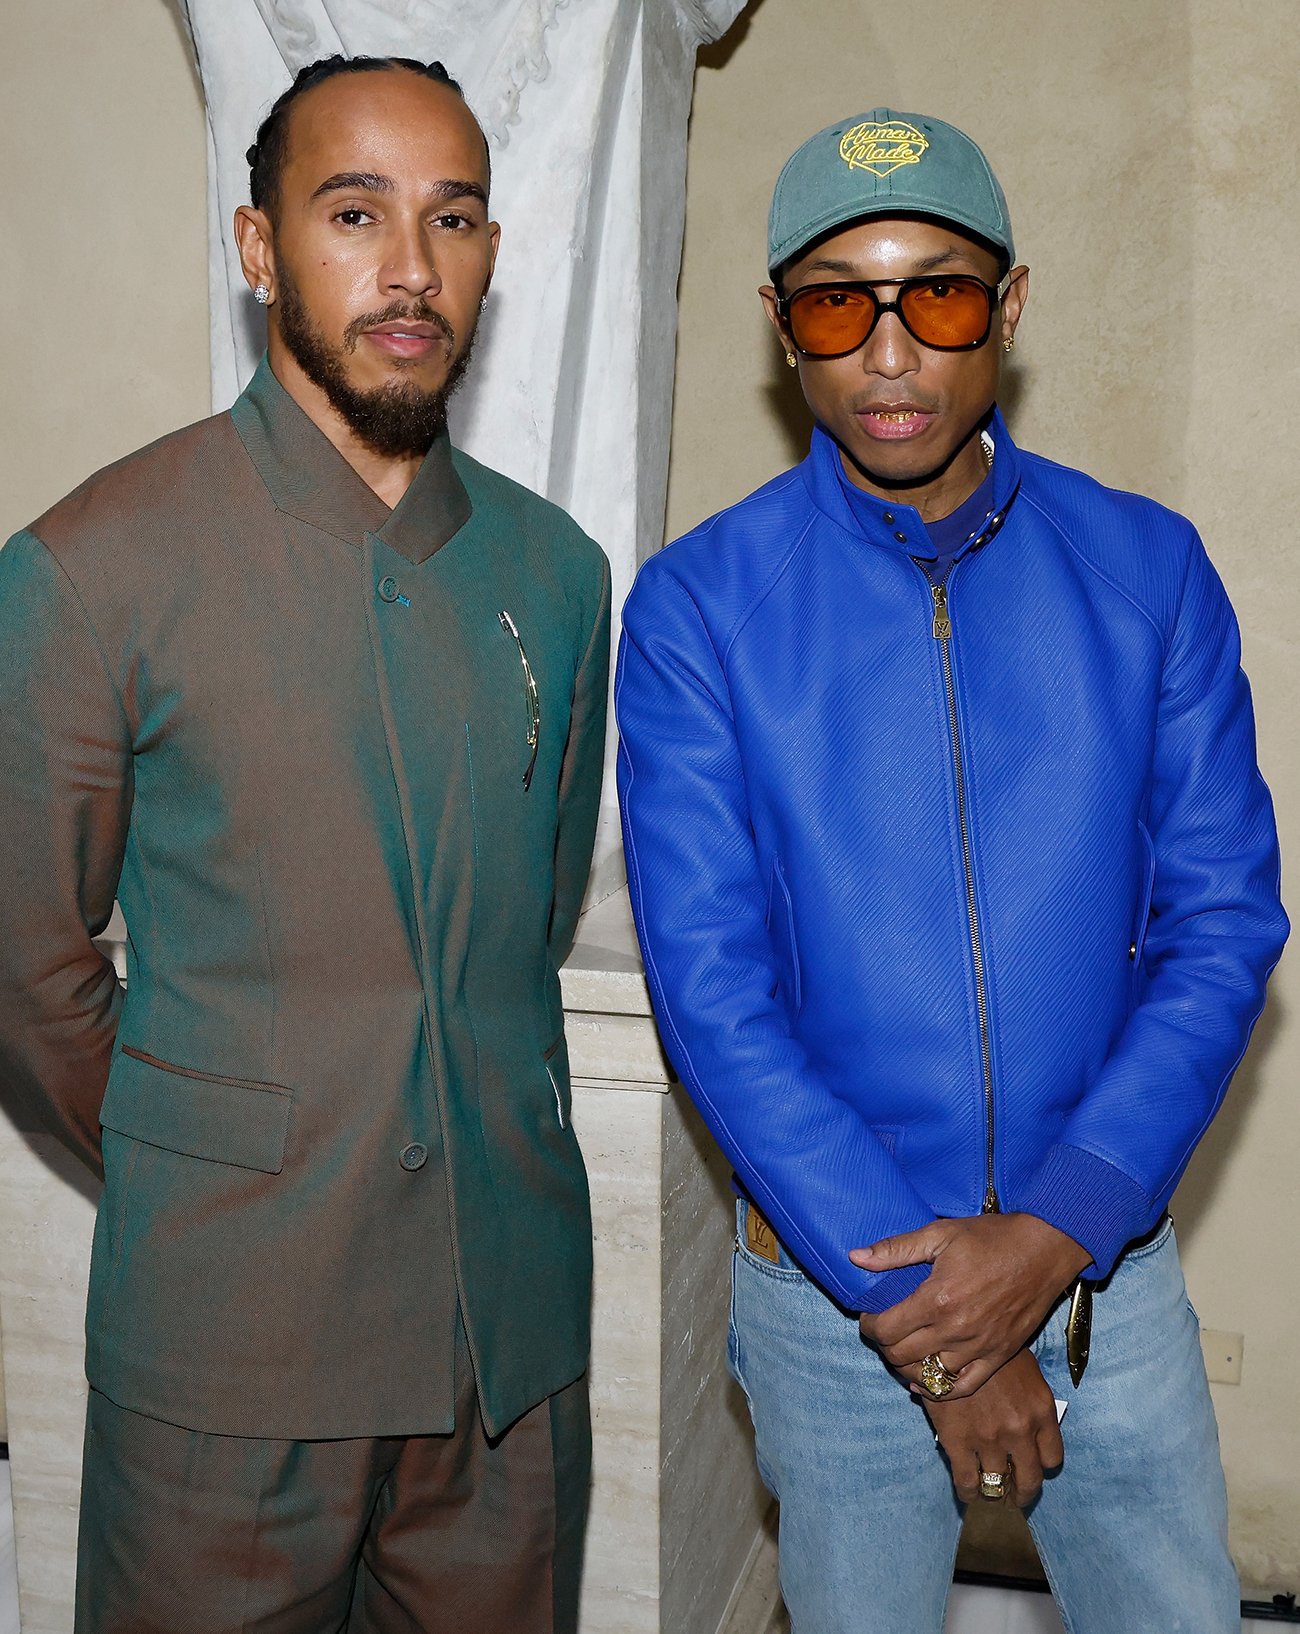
(1008, 1424)
(995, 1278)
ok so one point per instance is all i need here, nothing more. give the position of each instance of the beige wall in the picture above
(103, 257)
(1148, 152)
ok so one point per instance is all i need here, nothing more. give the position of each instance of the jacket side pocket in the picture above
(1147, 857)
(556, 1061)
(780, 925)
(198, 1114)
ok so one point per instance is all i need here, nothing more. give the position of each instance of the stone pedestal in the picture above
(676, 1521)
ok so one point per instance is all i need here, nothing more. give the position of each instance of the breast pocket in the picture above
(239, 1121)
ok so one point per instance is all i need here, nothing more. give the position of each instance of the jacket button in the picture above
(889, 518)
(414, 1156)
(388, 590)
(1132, 950)
(901, 537)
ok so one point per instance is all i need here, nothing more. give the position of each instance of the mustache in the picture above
(398, 312)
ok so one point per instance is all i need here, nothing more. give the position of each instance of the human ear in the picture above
(767, 294)
(254, 238)
(1013, 302)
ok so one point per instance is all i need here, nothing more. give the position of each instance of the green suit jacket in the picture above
(290, 730)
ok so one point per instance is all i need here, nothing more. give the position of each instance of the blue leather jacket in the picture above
(954, 895)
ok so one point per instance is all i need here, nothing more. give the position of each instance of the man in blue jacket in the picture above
(957, 886)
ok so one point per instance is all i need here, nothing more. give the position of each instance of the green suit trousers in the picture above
(190, 1533)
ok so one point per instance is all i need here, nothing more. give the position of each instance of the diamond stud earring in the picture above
(1008, 343)
(261, 295)
(792, 360)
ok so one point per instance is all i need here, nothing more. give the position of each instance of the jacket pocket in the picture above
(198, 1114)
(1147, 859)
(780, 926)
(556, 1061)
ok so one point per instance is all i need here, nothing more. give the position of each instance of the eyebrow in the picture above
(368, 181)
(945, 258)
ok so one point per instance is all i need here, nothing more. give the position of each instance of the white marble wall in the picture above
(713, 1501)
(676, 1509)
(8, 1569)
(619, 1134)
(47, 1211)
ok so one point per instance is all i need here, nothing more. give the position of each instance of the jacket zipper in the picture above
(943, 635)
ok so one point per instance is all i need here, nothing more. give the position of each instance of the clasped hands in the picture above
(994, 1279)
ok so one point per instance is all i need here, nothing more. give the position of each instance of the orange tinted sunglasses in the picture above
(951, 313)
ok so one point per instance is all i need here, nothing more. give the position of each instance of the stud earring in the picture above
(792, 360)
(261, 295)
(1008, 343)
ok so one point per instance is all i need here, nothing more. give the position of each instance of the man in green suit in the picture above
(321, 701)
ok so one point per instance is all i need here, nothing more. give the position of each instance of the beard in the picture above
(395, 420)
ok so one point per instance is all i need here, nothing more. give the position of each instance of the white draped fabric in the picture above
(585, 103)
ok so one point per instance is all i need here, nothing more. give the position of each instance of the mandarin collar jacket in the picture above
(309, 479)
(290, 730)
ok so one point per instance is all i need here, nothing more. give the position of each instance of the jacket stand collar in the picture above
(899, 527)
(308, 478)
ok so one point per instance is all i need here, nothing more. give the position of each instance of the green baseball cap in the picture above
(884, 163)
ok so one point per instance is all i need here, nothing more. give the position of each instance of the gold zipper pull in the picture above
(942, 623)
(991, 1203)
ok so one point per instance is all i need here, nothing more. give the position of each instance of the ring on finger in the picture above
(936, 1378)
(993, 1486)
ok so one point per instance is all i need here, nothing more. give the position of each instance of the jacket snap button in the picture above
(901, 537)
(889, 518)
(1132, 950)
(414, 1156)
(388, 590)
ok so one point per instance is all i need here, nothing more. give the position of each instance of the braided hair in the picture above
(266, 155)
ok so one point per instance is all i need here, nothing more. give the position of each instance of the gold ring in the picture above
(936, 1378)
(992, 1486)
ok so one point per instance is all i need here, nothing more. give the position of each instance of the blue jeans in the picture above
(1132, 1529)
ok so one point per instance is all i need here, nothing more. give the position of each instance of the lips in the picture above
(401, 339)
(894, 422)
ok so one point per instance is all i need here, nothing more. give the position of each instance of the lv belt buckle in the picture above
(760, 1239)
(1078, 1330)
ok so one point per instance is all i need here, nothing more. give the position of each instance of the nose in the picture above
(890, 351)
(411, 264)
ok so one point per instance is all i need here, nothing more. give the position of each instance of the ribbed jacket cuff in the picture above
(889, 1287)
(1090, 1200)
